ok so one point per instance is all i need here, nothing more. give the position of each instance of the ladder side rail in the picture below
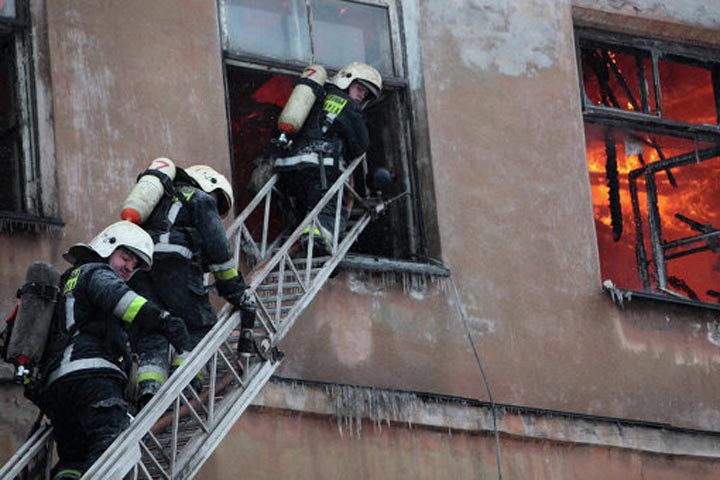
(36, 445)
(263, 197)
(202, 448)
(249, 240)
(211, 392)
(336, 225)
(296, 274)
(250, 208)
(279, 292)
(168, 393)
(320, 279)
(309, 259)
(270, 265)
(265, 317)
(266, 225)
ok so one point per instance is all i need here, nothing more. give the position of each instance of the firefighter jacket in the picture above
(88, 335)
(334, 131)
(187, 225)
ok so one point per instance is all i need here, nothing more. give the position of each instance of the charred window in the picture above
(653, 150)
(10, 139)
(262, 69)
(20, 196)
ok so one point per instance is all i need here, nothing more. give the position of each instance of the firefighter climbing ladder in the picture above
(179, 429)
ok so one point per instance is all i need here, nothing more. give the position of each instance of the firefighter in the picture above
(190, 239)
(335, 131)
(83, 378)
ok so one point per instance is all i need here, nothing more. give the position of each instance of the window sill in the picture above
(621, 296)
(381, 264)
(11, 222)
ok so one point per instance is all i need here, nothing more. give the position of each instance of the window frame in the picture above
(406, 109)
(37, 203)
(653, 123)
(399, 67)
(610, 115)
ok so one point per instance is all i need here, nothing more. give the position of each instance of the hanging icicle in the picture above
(353, 403)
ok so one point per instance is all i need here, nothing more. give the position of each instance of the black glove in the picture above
(232, 290)
(176, 332)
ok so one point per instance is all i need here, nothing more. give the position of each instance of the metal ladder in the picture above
(173, 436)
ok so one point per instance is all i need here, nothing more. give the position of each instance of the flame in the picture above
(688, 96)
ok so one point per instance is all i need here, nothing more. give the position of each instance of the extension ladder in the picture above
(174, 434)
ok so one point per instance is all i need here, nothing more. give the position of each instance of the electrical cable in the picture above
(482, 374)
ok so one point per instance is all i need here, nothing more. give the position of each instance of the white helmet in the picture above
(209, 180)
(361, 72)
(119, 234)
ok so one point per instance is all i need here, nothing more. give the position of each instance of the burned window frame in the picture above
(406, 107)
(35, 206)
(655, 286)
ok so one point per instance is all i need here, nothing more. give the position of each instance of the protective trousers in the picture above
(87, 415)
(304, 186)
(155, 364)
(177, 285)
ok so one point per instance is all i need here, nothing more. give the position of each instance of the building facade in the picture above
(544, 306)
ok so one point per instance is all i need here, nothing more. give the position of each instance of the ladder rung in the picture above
(286, 297)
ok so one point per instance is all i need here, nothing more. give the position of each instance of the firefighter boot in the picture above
(246, 343)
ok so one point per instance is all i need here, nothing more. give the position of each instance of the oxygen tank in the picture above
(31, 325)
(147, 192)
(300, 103)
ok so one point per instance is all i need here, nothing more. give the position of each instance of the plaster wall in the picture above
(517, 230)
(129, 84)
(265, 444)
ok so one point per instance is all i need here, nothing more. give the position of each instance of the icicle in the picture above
(352, 404)
(618, 296)
(713, 333)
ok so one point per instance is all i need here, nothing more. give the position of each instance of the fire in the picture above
(687, 196)
(697, 196)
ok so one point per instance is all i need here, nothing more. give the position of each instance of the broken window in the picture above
(653, 151)
(261, 70)
(20, 187)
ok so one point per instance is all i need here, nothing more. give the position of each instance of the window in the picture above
(23, 204)
(653, 149)
(261, 69)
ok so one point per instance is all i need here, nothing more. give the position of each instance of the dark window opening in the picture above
(10, 146)
(256, 99)
(655, 181)
(261, 71)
